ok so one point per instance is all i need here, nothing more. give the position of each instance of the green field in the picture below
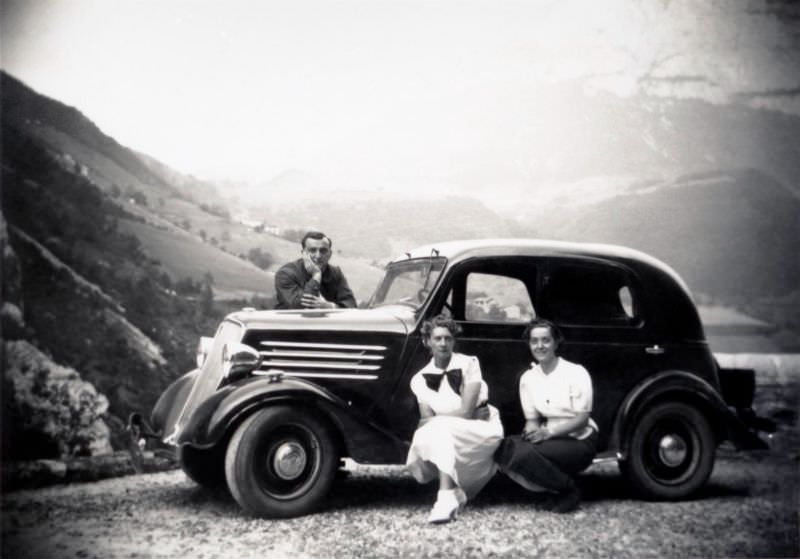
(184, 255)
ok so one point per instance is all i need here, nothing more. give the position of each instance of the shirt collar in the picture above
(455, 363)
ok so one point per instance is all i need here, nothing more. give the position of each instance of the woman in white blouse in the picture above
(458, 430)
(560, 438)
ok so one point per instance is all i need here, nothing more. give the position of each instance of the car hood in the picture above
(390, 319)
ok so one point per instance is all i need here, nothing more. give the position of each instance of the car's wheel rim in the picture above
(290, 462)
(672, 451)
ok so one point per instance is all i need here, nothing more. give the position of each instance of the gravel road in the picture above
(749, 508)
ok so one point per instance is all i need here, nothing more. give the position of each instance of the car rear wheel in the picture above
(281, 462)
(671, 452)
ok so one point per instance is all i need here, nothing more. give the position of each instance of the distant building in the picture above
(260, 226)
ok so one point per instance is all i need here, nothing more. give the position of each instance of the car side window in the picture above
(589, 294)
(497, 298)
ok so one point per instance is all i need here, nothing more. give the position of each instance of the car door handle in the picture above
(654, 350)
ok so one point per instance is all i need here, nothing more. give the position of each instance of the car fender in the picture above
(686, 387)
(170, 404)
(216, 418)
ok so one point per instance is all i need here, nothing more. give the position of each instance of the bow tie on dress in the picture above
(434, 380)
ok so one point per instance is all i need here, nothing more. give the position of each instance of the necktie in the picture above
(434, 380)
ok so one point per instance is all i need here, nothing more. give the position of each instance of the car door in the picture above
(493, 300)
(598, 305)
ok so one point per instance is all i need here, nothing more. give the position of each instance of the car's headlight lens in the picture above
(238, 360)
(203, 349)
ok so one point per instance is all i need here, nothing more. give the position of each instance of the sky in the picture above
(374, 94)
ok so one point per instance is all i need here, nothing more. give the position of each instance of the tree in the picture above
(205, 303)
(261, 259)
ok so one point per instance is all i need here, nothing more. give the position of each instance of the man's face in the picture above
(318, 251)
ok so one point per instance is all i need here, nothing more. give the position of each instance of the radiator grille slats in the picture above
(323, 360)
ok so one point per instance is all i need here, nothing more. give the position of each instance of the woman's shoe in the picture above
(566, 502)
(445, 508)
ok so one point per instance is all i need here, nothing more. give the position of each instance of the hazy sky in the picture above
(373, 93)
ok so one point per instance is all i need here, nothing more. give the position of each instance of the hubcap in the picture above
(289, 460)
(672, 450)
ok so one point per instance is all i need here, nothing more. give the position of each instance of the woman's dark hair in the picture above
(558, 337)
(440, 321)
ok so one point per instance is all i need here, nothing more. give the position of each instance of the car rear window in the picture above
(589, 294)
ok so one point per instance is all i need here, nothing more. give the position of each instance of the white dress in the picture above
(462, 448)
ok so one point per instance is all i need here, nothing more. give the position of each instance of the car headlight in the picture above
(238, 360)
(203, 349)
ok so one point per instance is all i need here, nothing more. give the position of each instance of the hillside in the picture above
(742, 227)
(113, 266)
(381, 225)
(179, 221)
(81, 292)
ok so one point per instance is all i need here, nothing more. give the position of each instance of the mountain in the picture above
(730, 234)
(381, 225)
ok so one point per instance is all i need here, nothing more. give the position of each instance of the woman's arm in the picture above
(469, 399)
(580, 420)
(531, 425)
(425, 414)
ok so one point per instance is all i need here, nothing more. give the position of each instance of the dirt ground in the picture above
(749, 508)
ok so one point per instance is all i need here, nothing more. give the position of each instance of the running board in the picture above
(608, 456)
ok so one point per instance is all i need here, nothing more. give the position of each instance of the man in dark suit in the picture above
(311, 282)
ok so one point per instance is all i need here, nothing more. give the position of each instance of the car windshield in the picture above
(408, 282)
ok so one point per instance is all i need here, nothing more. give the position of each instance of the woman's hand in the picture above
(483, 413)
(538, 435)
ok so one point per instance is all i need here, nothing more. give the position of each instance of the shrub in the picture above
(49, 411)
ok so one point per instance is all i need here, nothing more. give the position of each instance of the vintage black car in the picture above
(280, 397)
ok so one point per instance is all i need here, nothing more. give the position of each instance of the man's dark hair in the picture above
(317, 236)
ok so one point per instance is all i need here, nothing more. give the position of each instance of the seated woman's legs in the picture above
(547, 465)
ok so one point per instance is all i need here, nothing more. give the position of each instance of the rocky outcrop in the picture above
(49, 411)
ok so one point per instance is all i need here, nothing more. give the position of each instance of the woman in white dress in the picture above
(458, 430)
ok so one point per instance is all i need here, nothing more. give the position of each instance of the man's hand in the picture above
(310, 301)
(311, 268)
(538, 435)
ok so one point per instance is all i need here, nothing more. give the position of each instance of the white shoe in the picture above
(461, 497)
(445, 508)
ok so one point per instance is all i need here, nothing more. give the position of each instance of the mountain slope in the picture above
(729, 234)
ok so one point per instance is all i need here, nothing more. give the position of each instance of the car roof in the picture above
(456, 251)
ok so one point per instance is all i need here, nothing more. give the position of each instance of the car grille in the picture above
(320, 360)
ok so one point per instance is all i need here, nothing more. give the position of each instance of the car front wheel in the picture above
(280, 462)
(671, 452)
